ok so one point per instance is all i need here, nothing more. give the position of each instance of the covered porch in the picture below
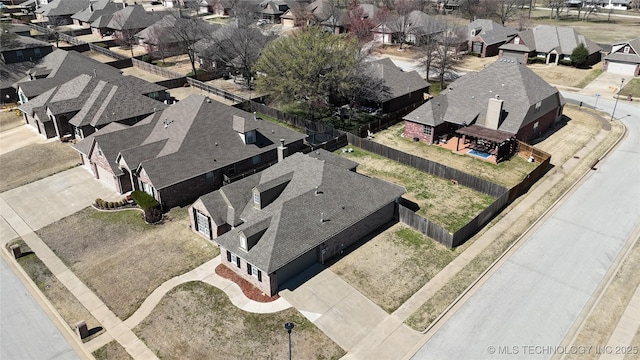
(485, 144)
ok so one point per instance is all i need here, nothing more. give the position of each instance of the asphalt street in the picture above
(530, 303)
(26, 331)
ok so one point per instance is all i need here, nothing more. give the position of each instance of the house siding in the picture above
(266, 285)
(187, 191)
(414, 130)
(216, 229)
(545, 122)
(11, 57)
(101, 161)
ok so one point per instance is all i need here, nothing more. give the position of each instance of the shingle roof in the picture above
(294, 218)
(490, 31)
(466, 99)
(399, 82)
(618, 54)
(64, 66)
(199, 138)
(63, 7)
(18, 42)
(96, 10)
(546, 38)
(162, 31)
(339, 161)
(133, 17)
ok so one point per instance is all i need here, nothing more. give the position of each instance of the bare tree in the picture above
(189, 30)
(430, 42)
(555, 6)
(446, 51)
(124, 37)
(506, 10)
(399, 20)
(476, 9)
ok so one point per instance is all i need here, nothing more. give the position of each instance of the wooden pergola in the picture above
(499, 143)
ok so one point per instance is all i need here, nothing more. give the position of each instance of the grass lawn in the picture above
(632, 88)
(34, 162)
(430, 310)
(69, 308)
(411, 260)
(507, 173)
(197, 321)
(112, 351)
(123, 259)
(566, 75)
(451, 206)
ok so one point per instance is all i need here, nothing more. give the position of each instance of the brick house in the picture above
(551, 43)
(94, 12)
(624, 58)
(506, 100)
(59, 12)
(484, 37)
(185, 151)
(304, 210)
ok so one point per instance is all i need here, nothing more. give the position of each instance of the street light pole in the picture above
(289, 326)
(617, 97)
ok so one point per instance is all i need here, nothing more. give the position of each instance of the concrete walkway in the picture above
(18, 137)
(606, 85)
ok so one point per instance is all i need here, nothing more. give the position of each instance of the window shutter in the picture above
(210, 232)
(228, 256)
(238, 261)
(249, 269)
(259, 275)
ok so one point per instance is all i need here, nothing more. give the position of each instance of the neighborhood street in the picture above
(528, 306)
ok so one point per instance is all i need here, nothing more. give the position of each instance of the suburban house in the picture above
(303, 210)
(127, 22)
(624, 58)
(484, 37)
(187, 150)
(404, 88)
(85, 104)
(18, 54)
(94, 12)
(552, 43)
(59, 12)
(61, 66)
(215, 7)
(272, 10)
(160, 39)
(416, 28)
(491, 108)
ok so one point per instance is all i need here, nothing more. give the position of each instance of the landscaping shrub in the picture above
(536, 60)
(474, 54)
(565, 62)
(150, 206)
(146, 58)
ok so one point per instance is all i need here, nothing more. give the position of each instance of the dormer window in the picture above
(516, 41)
(246, 129)
(626, 49)
(243, 242)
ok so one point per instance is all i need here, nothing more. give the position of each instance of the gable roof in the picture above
(198, 137)
(292, 223)
(133, 18)
(66, 65)
(19, 42)
(399, 82)
(490, 31)
(95, 10)
(546, 38)
(617, 52)
(162, 31)
(62, 7)
(466, 99)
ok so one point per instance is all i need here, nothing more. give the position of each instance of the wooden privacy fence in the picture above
(156, 70)
(215, 91)
(502, 195)
(386, 120)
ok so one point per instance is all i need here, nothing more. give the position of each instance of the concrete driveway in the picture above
(607, 85)
(45, 201)
(18, 137)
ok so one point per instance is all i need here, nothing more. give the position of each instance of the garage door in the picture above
(512, 55)
(106, 177)
(621, 68)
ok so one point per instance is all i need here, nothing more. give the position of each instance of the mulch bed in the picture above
(248, 289)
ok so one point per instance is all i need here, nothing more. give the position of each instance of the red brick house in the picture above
(504, 101)
(273, 225)
(187, 150)
(484, 37)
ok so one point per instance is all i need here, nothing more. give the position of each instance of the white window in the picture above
(428, 130)
(99, 151)
(235, 259)
(203, 224)
(626, 49)
(535, 127)
(538, 105)
(254, 271)
(148, 188)
(542, 55)
(243, 242)
(516, 40)
(256, 198)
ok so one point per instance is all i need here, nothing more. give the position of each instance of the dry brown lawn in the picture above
(121, 258)
(9, 119)
(433, 307)
(507, 173)
(607, 312)
(69, 308)
(565, 75)
(34, 162)
(475, 63)
(411, 259)
(204, 324)
(112, 351)
(451, 206)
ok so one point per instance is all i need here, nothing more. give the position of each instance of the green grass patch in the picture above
(435, 89)
(279, 122)
(632, 88)
(594, 73)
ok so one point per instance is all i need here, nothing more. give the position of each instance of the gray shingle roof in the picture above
(62, 7)
(199, 138)
(619, 55)
(339, 161)
(399, 82)
(64, 66)
(466, 99)
(490, 31)
(19, 42)
(97, 9)
(545, 38)
(133, 18)
(294, 218)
